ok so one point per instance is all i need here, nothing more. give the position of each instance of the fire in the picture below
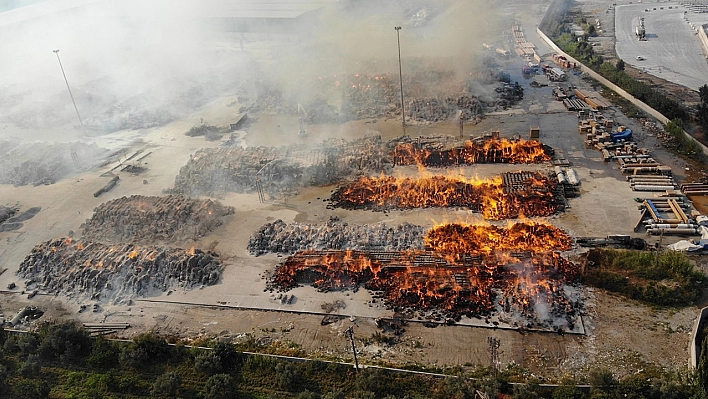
(522, 194)
(425, 280)
(492, 151)
(463, 239)
(191, 251)
(133, 254)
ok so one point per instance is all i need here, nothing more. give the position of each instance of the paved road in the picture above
(672, 51)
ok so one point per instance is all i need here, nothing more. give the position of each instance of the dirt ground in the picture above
(622, 335)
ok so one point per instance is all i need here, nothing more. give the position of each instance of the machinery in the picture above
(639, 30)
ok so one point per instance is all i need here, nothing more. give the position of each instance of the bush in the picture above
(167, 384)
(30, 389)
(104, 354)
(31, 366)
(219, 386)
(66, 342)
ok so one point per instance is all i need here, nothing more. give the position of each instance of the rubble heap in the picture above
(528, 285)
(144, 219)
(433, 153)
(117, 273)
(510, 196)
(280, 170)
(280, 237)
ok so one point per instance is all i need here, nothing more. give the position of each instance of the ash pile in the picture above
(279, 171)
(115, 273)
(512, 195)
(145, 219)
(445, 151)
(11, 218)
(23, 164)
(438, 109)
(283, 238)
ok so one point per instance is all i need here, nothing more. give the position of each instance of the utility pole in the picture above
(350, 333)
(494, 344)
(400, 76)
(68, 88)
(74, 155)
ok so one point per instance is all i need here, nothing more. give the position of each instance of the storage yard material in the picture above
(143, 219)
(86, 270)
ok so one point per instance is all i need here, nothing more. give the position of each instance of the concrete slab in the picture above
(672, 50)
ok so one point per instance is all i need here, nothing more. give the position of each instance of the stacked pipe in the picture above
(694, 188)
(651, 183)
(676, 220)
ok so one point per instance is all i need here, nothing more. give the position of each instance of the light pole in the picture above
(68, 88)
(400, 75)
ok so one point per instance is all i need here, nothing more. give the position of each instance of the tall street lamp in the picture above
(400, 75)
(68, 88)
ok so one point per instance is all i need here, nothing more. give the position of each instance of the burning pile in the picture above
(530, 286)
(479, 239)
(510, 196)
(466, 270)
(143, 219)
(278, 170)
(280, 237)
(492, 151)
(115, 272)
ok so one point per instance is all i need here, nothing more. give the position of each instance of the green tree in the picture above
(167, 384)
(104, 354)
(66, 342)
(30, 389)
(620, 65)
(567, 390)
(219, 386)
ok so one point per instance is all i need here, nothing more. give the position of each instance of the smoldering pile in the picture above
(24, 163)
(145, 219)
(280, 170)
(117, 273)
(438, 109)
(280, 237)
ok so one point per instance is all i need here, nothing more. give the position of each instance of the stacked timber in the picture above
(146, 219)
(592, 98)
(694, 188)
(279, 237)
(116, 273)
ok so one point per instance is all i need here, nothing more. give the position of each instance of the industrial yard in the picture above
(441, 219)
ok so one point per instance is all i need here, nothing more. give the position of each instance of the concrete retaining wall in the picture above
(704, 38)
(695, 347)
(639, 104)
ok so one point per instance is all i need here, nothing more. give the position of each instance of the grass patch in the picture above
(672, 281)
